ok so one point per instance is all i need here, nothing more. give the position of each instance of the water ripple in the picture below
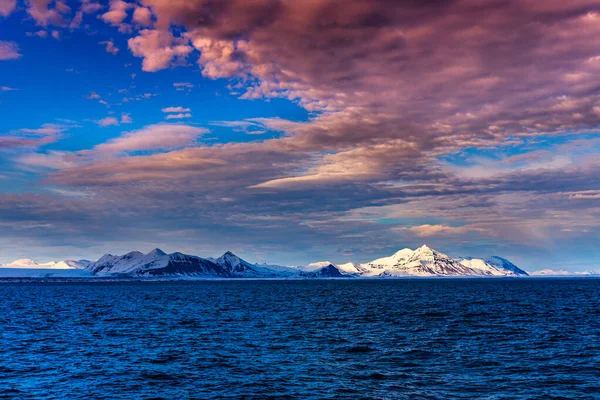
(401, 339)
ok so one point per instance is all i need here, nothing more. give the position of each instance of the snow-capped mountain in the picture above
(423, 261)
(27, 268)
(31, 264)
(493, 266)
(238, 267)
(323, 271)
(235, 265)
(156, 263)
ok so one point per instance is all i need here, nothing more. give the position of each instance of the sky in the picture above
(296, 131)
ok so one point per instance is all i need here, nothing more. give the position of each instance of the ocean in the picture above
(313, 339)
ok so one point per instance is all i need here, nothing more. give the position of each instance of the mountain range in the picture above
(422, 262)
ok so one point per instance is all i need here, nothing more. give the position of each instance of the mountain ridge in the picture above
(421, 262)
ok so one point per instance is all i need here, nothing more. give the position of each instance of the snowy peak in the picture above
(327, 271)
(424, 249)
(317, 265)
(235, 265)
(157, 253)
(425, 261)
(22, 263)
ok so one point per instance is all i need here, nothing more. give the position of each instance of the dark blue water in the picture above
(403, 339)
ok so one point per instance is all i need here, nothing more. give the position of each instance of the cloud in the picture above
(181, 86)
(178, 116)
(439, 230)
(117, 12)
(175, 109)
(32, 137)
(7, 7)
(41, 33)
(110, 47)
(179, 112)
(142, 16)
(90, 7)
(158, 49)
(9, 50)
(108, 121)
(50, 160)
(249, 127)
(7, 89)
(153, 137)
(48, 12)
(126, 118)
(426, 120)
(92, 96)
(76, 21)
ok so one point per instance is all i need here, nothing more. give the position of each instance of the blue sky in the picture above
(291, 132)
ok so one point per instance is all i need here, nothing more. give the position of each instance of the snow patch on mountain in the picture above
(493, 266)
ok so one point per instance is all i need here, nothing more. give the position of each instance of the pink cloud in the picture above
(440, 230)
(117, 12)
(153, 137)
(142, 16)
(41, 33)
(177, 109)
(7, 7)
(76, 21)
(33, 137)
(178, 116)
(110, 47)
(9, 50)
(92, 96)
(90, 7)
(158, 49)
(47, 12)
(108, 121)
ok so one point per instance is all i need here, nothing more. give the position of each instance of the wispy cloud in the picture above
(175, 109)
(108, 121)
(110, 47)
(178, 116)
(9, 50)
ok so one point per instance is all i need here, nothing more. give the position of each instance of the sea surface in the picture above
(338, 339)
